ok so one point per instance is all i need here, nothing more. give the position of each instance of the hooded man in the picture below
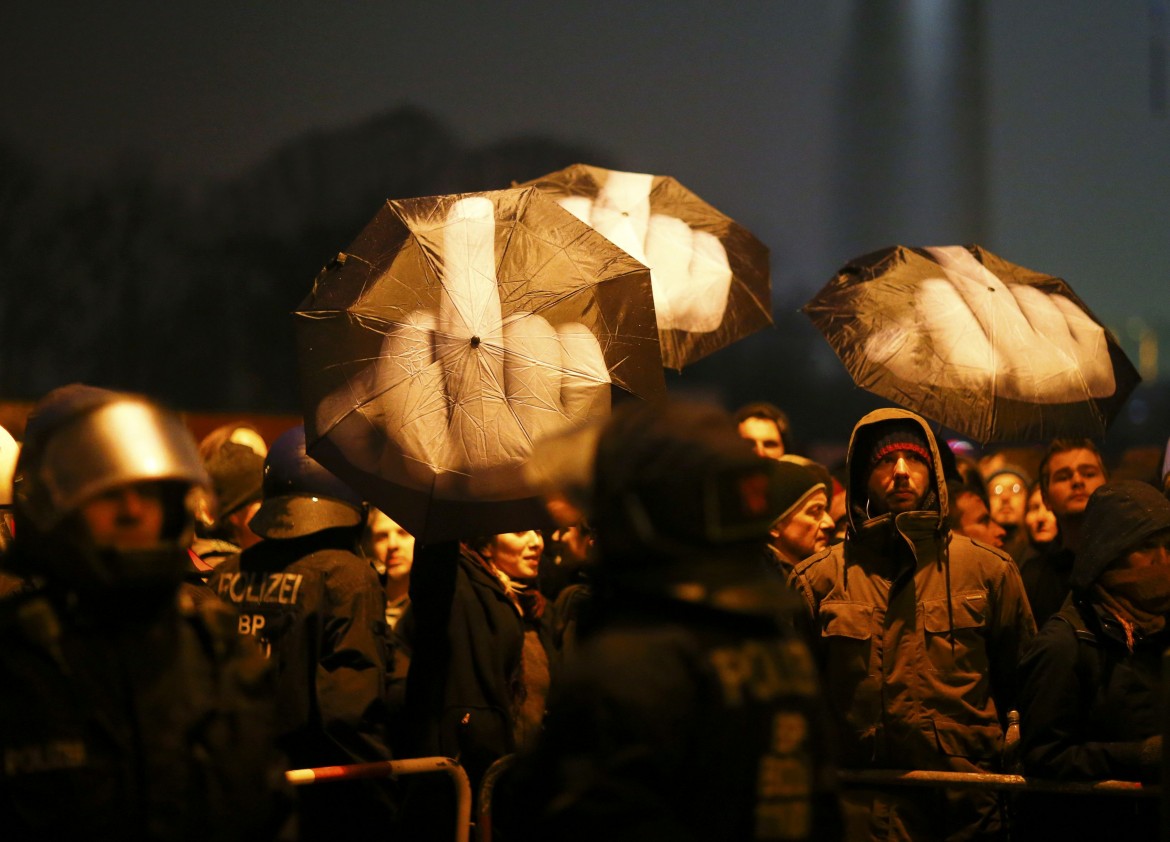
(1089, 699)
(920, 634)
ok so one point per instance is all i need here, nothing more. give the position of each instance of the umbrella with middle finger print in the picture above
(984, 346)
(710, 274)
(454, 332)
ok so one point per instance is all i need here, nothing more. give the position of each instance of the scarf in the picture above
(527, 600)
(1139, 597)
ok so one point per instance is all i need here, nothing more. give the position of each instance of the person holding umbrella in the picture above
(921, 631)
(482, 659)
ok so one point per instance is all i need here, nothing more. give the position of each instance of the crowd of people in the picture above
(718, 627)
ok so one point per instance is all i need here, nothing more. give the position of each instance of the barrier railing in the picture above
(847, 778)
(987, 780)
(392, 769)
(487, 787)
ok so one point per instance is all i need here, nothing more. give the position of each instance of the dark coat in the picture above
(318, 612)
(465, 658)
(682, 721)
(1045, 574)
(1087, 705)
(1090, 701)
(159, 727)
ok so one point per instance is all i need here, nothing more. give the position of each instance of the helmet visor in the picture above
(116, 444)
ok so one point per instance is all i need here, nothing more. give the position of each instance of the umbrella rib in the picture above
(756, 302)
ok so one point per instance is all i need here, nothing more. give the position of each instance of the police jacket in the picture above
(683, 720)
(317, 612)
(147, 723)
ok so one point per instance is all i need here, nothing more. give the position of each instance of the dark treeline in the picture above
(126, 281)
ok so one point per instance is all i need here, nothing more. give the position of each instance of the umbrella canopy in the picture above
(988, 348)
(454, 332)
(710, 274)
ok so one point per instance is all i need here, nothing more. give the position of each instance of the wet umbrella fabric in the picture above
(983, 346)
(710, 274)
(454, 332)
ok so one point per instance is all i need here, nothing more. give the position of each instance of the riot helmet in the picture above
(83, 446)
(301, 496)
(680, 504)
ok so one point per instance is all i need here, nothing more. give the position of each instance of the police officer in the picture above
(317, 610)
(691, 711)
(125, 712)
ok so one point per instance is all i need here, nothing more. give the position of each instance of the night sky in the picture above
(742, 102)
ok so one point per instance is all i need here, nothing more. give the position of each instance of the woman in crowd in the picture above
(1039, 520)
(482, 652)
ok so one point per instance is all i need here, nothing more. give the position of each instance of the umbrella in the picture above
(710, 274)
(454, 332)
(988, 348)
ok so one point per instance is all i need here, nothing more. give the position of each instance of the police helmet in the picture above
(82, 442)
(300, 496)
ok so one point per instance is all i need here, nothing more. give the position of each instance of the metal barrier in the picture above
(483, 822)
(987, 780)
(847, 778)
(394, 768)
(880, 778)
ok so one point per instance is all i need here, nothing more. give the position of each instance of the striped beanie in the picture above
(900, 435)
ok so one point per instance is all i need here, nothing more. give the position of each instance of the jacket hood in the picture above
(865, 433)
(1119, 517)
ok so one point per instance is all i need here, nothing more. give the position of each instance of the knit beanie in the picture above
(899, 435)
(793, 484)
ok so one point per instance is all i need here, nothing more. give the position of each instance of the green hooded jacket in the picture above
(920, 632)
